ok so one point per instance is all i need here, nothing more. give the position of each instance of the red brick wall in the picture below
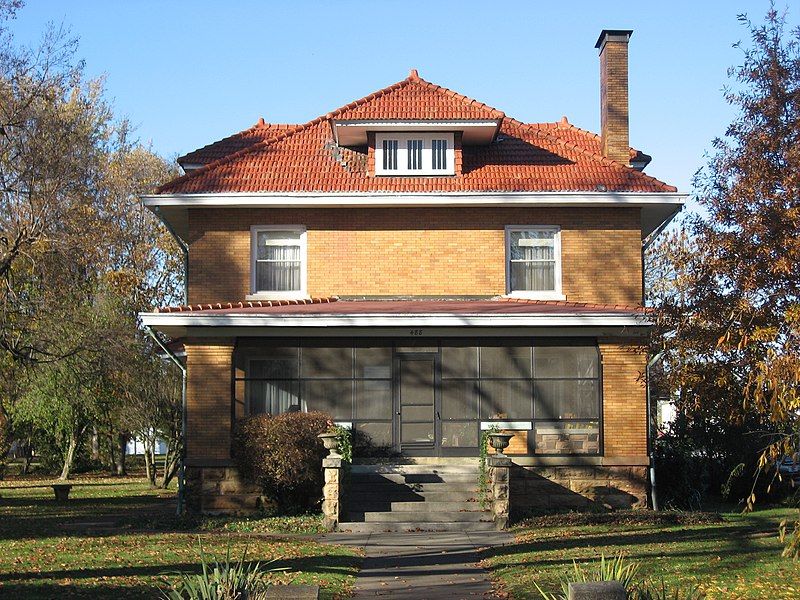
(419, 251)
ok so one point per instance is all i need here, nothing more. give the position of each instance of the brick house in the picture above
(422, 266)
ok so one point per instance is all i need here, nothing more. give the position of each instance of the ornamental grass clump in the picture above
(625, 572)
(221, 580)
(283, 455)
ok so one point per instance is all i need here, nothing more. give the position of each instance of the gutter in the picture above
(182, 367)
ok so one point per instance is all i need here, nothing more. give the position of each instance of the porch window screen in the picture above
(554, 388)
(349, 382)
(533, 262)
(278, 261)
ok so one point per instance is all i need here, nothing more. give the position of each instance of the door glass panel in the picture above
(416, 382)
(417, 413)
(417, 395)
(460, 435)
(416, 433)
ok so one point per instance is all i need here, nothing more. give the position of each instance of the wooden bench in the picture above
(61, 490)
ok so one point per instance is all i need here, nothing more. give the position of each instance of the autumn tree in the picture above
(729, 321)
(79, 255)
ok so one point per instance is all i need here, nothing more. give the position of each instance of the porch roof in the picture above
(442, 317)
(334, 306)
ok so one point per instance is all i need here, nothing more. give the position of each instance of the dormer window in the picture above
(414, 153)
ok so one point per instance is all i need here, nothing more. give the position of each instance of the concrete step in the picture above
(385, 486)
(409, 495)
(424, 506)
(375, 527)
(423, 517)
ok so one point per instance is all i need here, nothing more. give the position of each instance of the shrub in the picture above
(283, 455)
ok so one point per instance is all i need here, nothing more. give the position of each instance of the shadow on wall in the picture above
(554, 489)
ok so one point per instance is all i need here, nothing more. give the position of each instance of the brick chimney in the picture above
(613, 47)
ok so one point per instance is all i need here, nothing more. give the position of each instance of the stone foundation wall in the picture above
(220, 490)
(579, 487)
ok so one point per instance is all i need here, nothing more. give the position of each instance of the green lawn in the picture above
(117, 538)
(738, 558)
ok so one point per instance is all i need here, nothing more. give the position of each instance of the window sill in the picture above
(277, 296)
(537, 295)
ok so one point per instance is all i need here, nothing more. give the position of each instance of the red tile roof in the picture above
(303, 158)
(238, 141)
(334, 306)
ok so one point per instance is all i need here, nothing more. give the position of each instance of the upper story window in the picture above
(533, 261)
(278, 261)
(414, 153)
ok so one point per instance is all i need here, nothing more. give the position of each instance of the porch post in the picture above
(499, 477)
(332, 492)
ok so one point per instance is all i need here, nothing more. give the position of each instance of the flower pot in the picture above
(331, 443)
(499, 441)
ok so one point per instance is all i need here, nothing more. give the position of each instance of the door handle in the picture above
(398, 413)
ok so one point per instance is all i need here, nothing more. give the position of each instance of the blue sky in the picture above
(188, 73)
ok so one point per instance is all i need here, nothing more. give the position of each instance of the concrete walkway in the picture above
(422, 565)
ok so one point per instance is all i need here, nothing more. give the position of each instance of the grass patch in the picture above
(299, 524)
(734, 556)
(116, 537)
(620, 517)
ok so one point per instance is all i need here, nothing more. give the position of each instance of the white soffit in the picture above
(474, 133)
(656, 207)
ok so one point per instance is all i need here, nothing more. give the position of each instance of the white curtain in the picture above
(278, 261)
(533, 261)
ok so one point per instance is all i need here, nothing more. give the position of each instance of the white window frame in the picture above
(276, 295)
(555, 294)
(403, 138)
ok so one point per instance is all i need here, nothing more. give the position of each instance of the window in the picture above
(439, 148)
(414, 153)
(279, 261)
(389, 155)
(533, 262)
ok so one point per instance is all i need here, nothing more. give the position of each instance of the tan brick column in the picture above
(624, 399)
(208, 399)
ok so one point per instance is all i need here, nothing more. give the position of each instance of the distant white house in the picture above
(136, 446)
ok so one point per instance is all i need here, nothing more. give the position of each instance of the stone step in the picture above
(375, 527)
(414, 507)
(422, 517)
(414, 469)
(414, 477)
(409, 495)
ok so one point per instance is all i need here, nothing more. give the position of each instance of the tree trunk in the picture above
(69, 457)
(112, 451)
(122, 441)
(95, 444)
(149, 462)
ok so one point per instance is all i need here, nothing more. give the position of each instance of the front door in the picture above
(417, 423)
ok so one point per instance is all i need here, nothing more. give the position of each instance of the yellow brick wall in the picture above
(208, 398)
(459, 251)
(624, 398)
(614, 101)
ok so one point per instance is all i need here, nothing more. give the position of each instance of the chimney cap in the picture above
(616, 35)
